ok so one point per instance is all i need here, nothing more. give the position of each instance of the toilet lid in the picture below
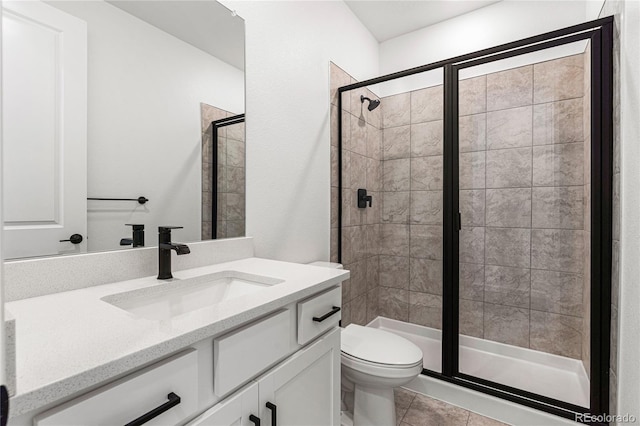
(379, 346)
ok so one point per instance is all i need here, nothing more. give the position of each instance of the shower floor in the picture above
(545, 374)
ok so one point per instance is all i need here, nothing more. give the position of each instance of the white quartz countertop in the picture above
(69, 342)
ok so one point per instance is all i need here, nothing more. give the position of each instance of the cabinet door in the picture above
(305, 389)
(236, 410)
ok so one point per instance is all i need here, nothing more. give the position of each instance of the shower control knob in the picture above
(363, 199)
(74, 239)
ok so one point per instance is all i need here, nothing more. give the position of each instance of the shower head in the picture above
(373, 103)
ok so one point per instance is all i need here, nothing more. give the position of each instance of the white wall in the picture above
(628, 21)
(2, 331)
(145, 89)
(288, 49)
(593, 9)
(490, 26)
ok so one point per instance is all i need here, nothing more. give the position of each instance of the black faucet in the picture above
(138, 236)
(164, 251)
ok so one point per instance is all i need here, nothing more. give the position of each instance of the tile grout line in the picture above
(533, 70)
(407, 410)
(409, 214)
(488, 111)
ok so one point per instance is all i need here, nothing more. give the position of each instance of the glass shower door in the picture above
(524, 202)
(411, 289)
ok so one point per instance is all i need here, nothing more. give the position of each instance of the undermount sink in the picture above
(177, 297)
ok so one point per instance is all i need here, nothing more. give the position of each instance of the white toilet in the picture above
(374, 362)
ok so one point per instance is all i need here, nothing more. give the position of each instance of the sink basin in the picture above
(177, 297)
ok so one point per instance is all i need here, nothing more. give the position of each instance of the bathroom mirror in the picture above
(107, 123)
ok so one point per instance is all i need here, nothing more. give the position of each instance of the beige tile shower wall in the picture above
(522, 202)
(231, 175)
(411, 230)
(532, 175)
(361, 168)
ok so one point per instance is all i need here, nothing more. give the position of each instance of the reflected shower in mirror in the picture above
(223, 162)
(113, 114)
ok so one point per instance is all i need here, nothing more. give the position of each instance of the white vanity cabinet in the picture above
(303, 390)
(282, 369)
(169, 387)
(243, 354)
(241, 409)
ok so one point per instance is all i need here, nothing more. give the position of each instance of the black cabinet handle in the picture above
(173, 401)
(74, 239)
(335, 310)
(255, 420)
(274, 415)
(4, 405)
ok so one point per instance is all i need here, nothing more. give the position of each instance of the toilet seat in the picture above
(378, 352)
(381, 370)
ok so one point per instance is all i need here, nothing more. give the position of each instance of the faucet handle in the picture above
(168, 228)
(136, 226)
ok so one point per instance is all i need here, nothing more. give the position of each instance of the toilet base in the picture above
(374, 406)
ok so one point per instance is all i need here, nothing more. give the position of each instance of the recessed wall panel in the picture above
(31, 121)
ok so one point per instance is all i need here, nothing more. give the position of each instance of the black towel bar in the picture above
(140, 200)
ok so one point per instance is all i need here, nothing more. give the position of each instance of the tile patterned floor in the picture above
(414, 409)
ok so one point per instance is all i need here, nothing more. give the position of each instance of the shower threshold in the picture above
(538, 372)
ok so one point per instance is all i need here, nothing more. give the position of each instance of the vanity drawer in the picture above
(324, 308)
(243, 354)
(130, 397)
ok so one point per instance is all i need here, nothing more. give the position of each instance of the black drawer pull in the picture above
(274, 415)
(335, 310)
(173, 401)
(255, 420)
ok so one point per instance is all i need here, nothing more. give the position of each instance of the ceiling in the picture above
(386, 19)
(207, 25)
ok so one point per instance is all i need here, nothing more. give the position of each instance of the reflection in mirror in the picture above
(113, 114)
(223, 162)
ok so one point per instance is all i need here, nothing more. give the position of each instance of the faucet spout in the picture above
(180, 249)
